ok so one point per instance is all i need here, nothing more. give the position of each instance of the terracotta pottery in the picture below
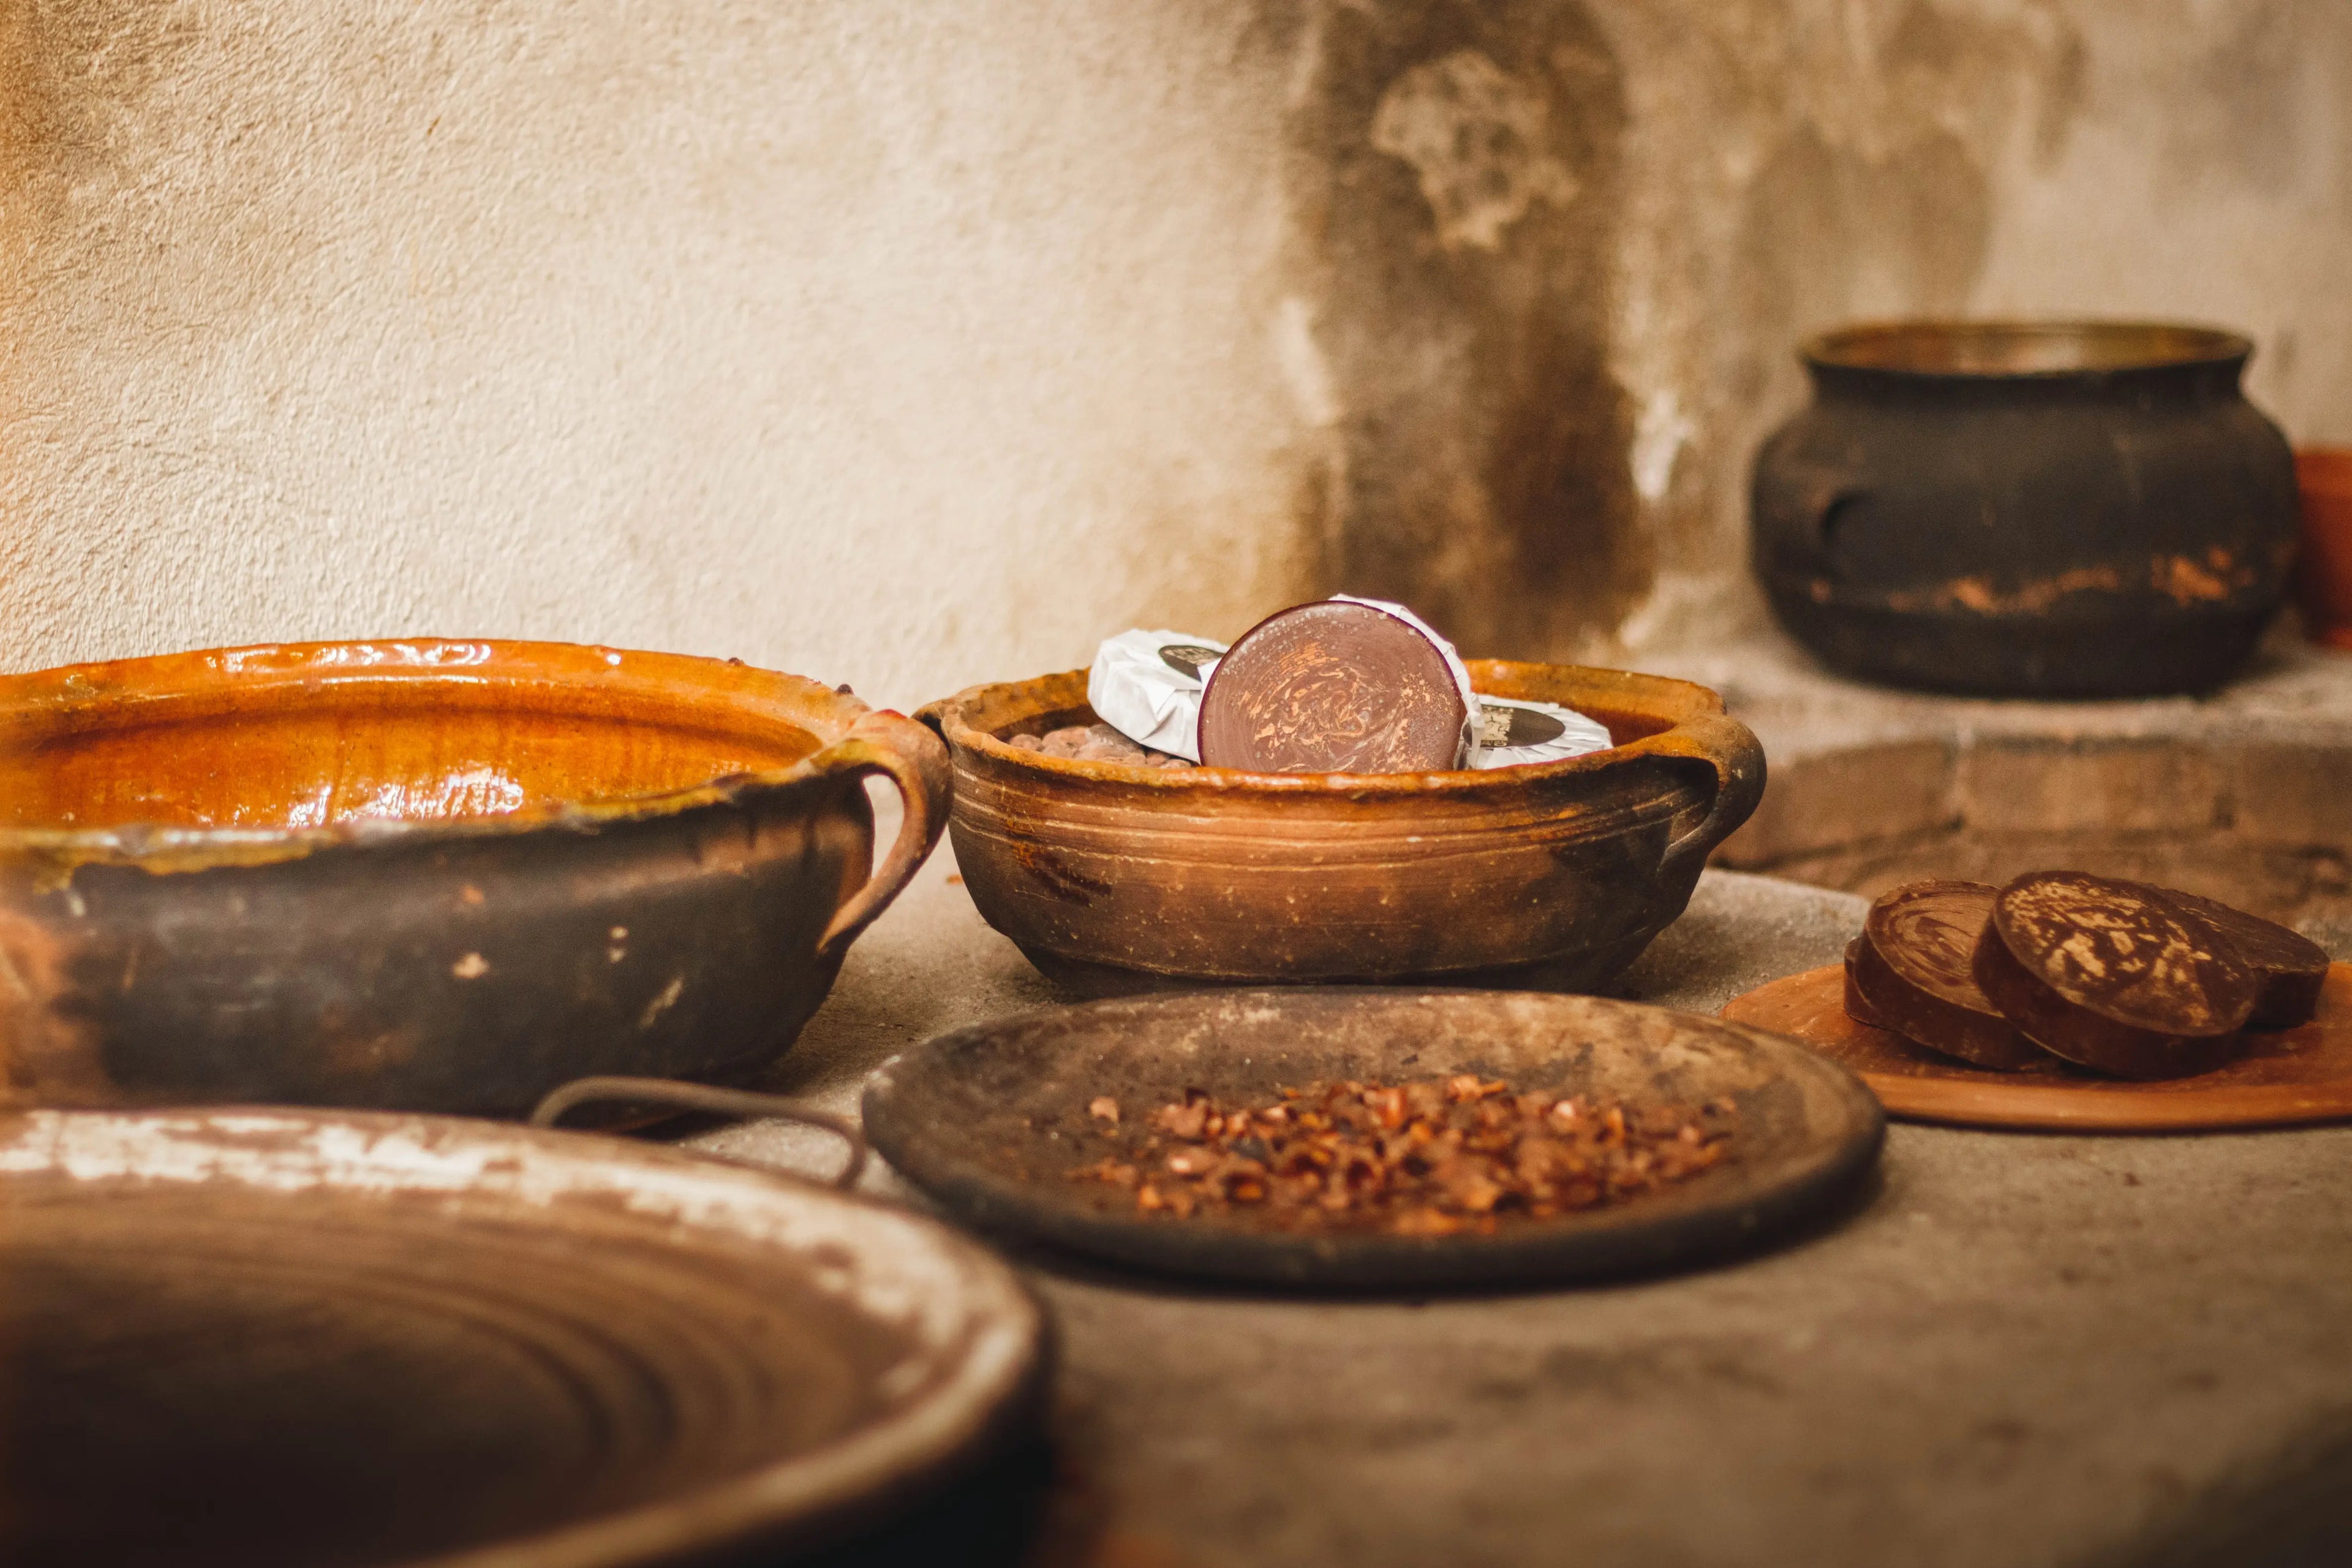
(1115, 878)
(2323, 574)
(989, 1120)
(2065, 509)
(429, 874)
(269, 1338)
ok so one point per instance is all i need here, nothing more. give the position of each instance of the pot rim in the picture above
(2019, 349)
(162, 678)
(1689, 705)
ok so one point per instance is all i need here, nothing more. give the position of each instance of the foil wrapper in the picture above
(1515, 732)
(1147, 686)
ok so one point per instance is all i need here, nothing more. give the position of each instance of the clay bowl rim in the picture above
(2131, 346)
(365, 660)
(1005, 1347)
(1692, 705)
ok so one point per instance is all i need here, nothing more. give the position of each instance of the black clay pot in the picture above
(2065, 509)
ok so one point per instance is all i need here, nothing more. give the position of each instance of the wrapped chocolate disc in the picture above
(1343, 685)
(1513, 732)
(1147, 686)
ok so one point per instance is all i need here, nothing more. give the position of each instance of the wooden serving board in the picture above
(2294, 1076)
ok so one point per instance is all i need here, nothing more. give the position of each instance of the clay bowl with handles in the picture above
(1116, 877)
(430, 875)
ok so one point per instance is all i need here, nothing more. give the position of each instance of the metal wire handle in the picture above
(685, 1096)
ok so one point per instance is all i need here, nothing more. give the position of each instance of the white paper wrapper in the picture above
(1147, 686)
(1514, 731)
(1468, 756)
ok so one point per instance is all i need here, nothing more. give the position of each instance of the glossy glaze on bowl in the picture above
(429, 874)
(1116, 877)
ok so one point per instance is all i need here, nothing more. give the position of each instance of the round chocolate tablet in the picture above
(1915, 968)
(2114, 975)
(2293, 967)
(1857, 1005)
(1333, 687)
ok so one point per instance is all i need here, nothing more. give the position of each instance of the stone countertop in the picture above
(2292, 690)
(2023, 1349)
(2244, 793)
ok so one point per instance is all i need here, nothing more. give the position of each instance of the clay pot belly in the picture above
(2062, 511)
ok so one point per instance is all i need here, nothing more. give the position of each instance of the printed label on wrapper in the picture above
(1515, 732)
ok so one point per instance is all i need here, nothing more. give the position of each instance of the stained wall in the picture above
(914, 344)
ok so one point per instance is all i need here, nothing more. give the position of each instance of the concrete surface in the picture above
(2023, 1350)
(913, 345)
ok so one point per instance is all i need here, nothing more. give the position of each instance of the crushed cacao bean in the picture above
(1094, 744)
(1430, 1157)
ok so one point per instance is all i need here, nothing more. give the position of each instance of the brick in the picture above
(2292, 794)
(2007, 785)
(1884, 791)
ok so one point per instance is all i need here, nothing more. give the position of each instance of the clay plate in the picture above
(2294, 1076)
(989, 1120)
(264, 1338)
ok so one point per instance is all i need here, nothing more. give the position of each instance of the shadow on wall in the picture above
(1455, 181)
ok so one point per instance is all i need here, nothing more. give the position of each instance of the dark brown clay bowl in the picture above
(443, 875)
(1117, 877)
(265, 1338)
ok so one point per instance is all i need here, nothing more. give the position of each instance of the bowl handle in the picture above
(675, 1094)
(1730, 747)
(884, 742)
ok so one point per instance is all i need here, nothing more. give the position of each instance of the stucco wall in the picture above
(912, 344)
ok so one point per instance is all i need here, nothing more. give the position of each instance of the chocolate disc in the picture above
(1914, 968)
(2292, 966)
(2114, 975)
(1332, 687)
(1857, 1005)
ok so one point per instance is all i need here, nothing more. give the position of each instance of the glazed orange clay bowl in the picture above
(1112, 877)
(429, 874)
